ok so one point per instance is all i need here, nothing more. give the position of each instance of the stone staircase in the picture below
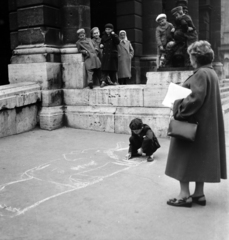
(111, 109)
(224, 91)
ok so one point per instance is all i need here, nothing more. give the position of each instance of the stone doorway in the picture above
(102, 12)
(4, 43)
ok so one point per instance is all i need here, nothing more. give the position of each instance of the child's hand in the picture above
(190, 29)
(161, 48)
(140, 151)
(173, 30)
(128, 156)
(112, 33)
(101, 45)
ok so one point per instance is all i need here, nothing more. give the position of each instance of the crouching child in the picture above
(142, 140)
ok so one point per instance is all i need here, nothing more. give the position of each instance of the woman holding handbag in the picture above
(203, 160)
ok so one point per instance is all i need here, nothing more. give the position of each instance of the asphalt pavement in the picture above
(76, 184)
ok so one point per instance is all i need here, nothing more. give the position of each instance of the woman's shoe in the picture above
(184, 202)
(201, 200)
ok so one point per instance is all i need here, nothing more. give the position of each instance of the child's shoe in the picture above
(90, 85)
(149, 158)
(103, 84)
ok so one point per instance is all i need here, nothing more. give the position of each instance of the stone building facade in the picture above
(30, 25)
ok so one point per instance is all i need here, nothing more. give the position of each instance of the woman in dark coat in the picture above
(109, 45)
(203, 160)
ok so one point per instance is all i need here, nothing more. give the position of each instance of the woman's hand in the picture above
(101, 45)
(128, 156)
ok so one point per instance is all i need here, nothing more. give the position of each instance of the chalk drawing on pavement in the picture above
(73, 171)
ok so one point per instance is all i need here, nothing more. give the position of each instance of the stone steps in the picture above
(18, 108)
(224, 92)
(224, 82)
(111, 108)
(224, 89)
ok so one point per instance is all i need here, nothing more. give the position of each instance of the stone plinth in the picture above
(73, 69)
(116, 119)
(51, 98)
(18, 120)
(74, 75)
(51, 117)
(156, 118)
(18, 95)
(18, 108)
(164, 78)
(129, 95)
(91, 118)
(48, 75)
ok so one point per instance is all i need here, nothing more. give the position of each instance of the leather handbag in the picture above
(182, 130)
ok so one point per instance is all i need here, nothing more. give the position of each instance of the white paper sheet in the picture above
(175, 92)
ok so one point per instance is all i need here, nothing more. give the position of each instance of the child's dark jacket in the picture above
(110, 52)
(145, 135)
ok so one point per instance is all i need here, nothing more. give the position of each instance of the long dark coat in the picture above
(203, 160)
(110, 52)
(125, 54)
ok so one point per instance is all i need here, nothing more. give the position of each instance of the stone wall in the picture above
(18, 108)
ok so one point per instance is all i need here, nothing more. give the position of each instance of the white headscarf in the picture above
(122, 31)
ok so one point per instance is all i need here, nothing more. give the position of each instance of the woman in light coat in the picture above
(125, 54)
(203, 160)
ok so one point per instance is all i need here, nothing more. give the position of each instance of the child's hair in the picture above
(136, 124)
(79, 31)
(93, 29)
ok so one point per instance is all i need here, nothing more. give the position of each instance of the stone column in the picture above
(193, 11)
(168, 7)
(204, 19)
(215, 36)
(224, 49)
(75, 14)
(129, 17)
(35, 40)
(150, 10)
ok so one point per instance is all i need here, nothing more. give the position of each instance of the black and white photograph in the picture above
(114, 120)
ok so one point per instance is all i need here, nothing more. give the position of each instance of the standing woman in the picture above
(203, 160)
(125, 54)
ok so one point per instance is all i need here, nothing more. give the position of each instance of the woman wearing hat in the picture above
(109, 45)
